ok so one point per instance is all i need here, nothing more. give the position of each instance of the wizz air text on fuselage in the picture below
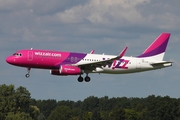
(121, 63)
(47, 54)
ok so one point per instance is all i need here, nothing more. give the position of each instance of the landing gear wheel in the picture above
(27, 75)
(28, 71)
(80, 79)
(87, 78)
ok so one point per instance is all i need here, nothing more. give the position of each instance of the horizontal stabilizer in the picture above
(163, 63)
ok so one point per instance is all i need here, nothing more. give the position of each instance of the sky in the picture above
(106, 26)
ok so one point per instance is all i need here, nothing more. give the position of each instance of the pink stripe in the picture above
(161, 39)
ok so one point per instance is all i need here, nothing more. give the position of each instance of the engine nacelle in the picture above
(66, 70)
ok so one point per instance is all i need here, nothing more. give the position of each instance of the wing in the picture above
(93, 65)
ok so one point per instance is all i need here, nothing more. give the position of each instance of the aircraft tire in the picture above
(87, 78)
(27, 75)
(80, 79)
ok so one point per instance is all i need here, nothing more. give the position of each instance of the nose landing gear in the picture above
(28, 75)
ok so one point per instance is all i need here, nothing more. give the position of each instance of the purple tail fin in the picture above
(157, 47)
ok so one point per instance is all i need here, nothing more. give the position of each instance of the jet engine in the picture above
(67, 70)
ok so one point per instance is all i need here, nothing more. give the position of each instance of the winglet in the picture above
(123, 52)
(92, 52)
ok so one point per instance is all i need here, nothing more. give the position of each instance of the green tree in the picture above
(46, 106)
(34, 112)
(87, 116)
(90, 103)
(41, 117)
(18, 116)
(131, 114)
(15, 102)
(103, 103)
(22, 98)
(96, 114)
(76, 113)
(104, 115)
(7, 99)
(2, 116)
(60, 113)
(117, 113)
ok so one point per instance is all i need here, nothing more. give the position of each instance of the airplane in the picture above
(71, 63)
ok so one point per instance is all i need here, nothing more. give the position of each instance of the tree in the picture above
(41, 117)
(60, 113)
(34, 112)
(117, 113)
(76, 113)
(46, 106)
(131, 114)
(7, 100)
(90, 103)
(18, 116)
(87, 116)
(22, 98)
(15, 103)
(96, 114)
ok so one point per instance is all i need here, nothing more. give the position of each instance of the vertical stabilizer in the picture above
(157, 49)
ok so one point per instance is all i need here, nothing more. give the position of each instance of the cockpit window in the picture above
(17, 54)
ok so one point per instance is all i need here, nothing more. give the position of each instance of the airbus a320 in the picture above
(71, 63)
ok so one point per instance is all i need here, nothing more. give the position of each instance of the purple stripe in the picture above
(160, 49)
(73, 58)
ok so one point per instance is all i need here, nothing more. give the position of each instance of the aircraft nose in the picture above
(9, 60)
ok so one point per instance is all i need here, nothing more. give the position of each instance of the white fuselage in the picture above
(123, 65)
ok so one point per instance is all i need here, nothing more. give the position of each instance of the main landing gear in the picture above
(86, 79)
(28, 75)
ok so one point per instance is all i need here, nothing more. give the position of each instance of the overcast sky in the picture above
(106, 26)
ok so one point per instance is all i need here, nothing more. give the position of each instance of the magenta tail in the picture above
(158, 47)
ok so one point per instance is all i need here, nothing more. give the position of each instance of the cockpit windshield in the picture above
(17, 54)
